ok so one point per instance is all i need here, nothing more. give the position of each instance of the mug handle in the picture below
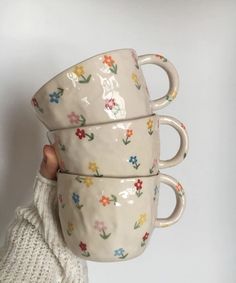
(180, 202)
(183, 149)
(171, 71)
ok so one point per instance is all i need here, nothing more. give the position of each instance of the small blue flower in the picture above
(133, 159)
(76, 198)
(119, 252)
(54, 97)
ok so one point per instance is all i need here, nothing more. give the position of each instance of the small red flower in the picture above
(138, 184)
(35, 102)
(182, 125)
(179, 187)
(80, 133)
(145, 236)
(83, 246)
(129, 133)
(110, 103)
(108, 60)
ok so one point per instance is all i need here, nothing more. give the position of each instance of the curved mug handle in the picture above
(171, 71)
(180, 202)
(183, 149)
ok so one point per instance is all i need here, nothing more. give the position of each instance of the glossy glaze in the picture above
(127, 148)
(112, 219)
(104, 88)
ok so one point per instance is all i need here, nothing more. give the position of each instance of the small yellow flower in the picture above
(93, 166)
(142, 218)
(150, 123)
(135, 78)
(79, 71)
(88, 181)
(70, 226)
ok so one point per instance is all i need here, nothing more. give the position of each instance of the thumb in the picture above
(49, 164)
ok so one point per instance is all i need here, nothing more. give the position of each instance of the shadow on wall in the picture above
(22, 152)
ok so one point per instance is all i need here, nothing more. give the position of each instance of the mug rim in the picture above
(108, 178)
(87, 59)
(104, 123)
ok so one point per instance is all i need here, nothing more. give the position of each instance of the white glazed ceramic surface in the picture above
(112, 219)
(126, 148)
(106, 87)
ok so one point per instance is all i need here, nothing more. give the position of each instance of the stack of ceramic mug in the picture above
(106, 136)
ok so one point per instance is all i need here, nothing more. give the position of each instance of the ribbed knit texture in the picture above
(34, 249)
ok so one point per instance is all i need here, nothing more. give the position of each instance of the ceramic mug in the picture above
(107, 87)
(125, 148)
(93, 214)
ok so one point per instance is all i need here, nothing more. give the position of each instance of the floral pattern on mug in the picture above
(83, 248)
(128, 134)
(163, 59)
(120, 253)
(55, 96)
(156, 192)
(150, 126)
(134, 161)
(88, 181)
(171, 96)
(154, 166)
(138, 185)
(81, 134)
(76, 200)
(135, 59)
(80, 73)
(142, 219)
(110, 62)
(179, 189)
(106, 200)
(70, 228)
(100, 226)
(60, 198)
(76, 119)
(35, 103)
(145, 237)
(94, 168)
(112, 105)
(136, 80)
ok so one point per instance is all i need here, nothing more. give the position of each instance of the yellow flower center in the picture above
(93, 166)
(79, 70)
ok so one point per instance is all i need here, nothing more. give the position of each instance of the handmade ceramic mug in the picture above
(125, 148)
(93, 214)
(107, 87)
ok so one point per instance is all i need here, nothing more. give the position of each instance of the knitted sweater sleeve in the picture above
(34, 249)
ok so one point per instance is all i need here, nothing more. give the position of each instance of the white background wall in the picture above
(40, 38)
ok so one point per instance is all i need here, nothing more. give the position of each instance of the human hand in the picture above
(49, 164)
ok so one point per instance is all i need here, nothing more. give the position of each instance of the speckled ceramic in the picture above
(126, 148)
(103, 88)
(112, 219)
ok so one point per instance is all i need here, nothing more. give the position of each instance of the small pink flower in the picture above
(100, 226)
(179, 187)
(182, 125)
(73, 118)
(110, 103)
